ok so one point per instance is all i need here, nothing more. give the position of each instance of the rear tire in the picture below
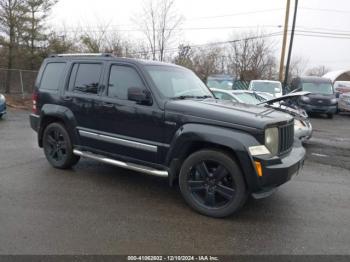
(212, 183)
(58, 147)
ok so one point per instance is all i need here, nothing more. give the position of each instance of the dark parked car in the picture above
(160, 119)
(2, 105)
(322, 98)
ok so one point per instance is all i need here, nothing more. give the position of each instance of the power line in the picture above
(322, 36)
(214, 43)
(166, 29)
(236, 14)
(325, 10)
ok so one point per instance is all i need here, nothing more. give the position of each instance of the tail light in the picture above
(35, 101)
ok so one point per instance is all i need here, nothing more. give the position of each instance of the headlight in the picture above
(333, 101)
(2, 98)
(271, 140)
(305, 99)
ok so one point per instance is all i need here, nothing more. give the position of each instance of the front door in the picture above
(126, 128)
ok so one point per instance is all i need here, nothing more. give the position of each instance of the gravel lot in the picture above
(100, 209)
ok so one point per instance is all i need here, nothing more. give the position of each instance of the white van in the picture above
(267, 86)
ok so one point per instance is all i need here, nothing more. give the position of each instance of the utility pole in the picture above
(283, 53)
(291, 44)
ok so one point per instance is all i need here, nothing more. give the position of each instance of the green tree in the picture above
(12, 13)
(184, 56)
(37, 12)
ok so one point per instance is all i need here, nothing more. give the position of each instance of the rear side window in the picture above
(121, 79)
(52, 76)
(86, 79)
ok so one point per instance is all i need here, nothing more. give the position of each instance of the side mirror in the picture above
(337, 94)
(139, 95)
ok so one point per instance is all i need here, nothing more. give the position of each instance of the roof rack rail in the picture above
(82, 54)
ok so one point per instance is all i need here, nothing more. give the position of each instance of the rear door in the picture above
(82, 91)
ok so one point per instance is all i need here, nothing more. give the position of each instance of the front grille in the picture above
(320, 101)
(286, 136)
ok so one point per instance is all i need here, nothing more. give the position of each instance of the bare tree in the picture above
(60, 43)
(11, 26)
(94, 40)
(297, 67)
(318, 71)
(158, 23)
(207, 61)
(251, 57)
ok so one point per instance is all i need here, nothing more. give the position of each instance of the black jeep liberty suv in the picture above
(160, 119)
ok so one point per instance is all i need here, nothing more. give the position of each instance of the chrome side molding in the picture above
(119, 141)
(130, 166)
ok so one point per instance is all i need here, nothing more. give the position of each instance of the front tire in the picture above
(58, 147)
(212, 183)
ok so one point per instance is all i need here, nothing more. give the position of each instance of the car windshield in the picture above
(268, 87)
(249, 98)
(318, 88)
(175, 82)
(220, 84)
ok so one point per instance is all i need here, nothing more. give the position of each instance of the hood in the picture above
(296, 112)
(285, 97)
(225, 113)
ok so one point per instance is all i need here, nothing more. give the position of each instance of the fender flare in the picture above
(235, 140)
(63, 114)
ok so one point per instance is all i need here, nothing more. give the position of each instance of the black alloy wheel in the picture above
(58, 147)
(212, 183)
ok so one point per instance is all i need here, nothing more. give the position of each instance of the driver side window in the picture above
(121, 79)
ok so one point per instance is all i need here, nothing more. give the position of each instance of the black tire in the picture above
(330, 116)
(58, 147)
(0, 116)
(215, 189)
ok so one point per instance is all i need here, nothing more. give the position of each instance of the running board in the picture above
(130, 166)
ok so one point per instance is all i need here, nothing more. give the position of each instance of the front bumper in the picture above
(304, 133)
(279, 170)
(320, 109)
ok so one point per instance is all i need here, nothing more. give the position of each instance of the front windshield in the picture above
(249, 98)
(175, 82)
(220, 84)
(268, 87)
(318, 88)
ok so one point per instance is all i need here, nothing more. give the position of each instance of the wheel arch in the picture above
(193, 137)
(55, 113)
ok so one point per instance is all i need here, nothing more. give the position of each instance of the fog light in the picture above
(258, 168)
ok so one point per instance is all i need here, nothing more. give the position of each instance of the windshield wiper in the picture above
(183, 97)
(191, 97)
(203, 97)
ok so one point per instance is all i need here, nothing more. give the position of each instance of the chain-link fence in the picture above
(18, 81)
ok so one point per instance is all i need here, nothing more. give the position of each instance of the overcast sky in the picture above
(237, 16)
